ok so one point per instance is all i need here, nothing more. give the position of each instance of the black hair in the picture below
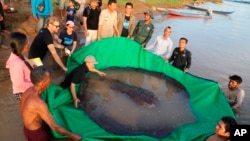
(183, 38)
(168, 27)
(18, 41)
(38, 74)
(229, 121)
(236, 78)
(129, 4)
(111, 1)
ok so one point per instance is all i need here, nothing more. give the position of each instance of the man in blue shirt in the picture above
(41, 10)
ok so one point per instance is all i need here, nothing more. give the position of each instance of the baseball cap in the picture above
(90, 59)
(70, 23)
(149, 12)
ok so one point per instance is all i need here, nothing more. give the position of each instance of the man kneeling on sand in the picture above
(34, 111)
(78, 75)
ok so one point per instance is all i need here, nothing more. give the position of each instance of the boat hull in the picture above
(187, 14)
(214, 11)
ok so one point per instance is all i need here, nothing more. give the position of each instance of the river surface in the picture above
(219, 49)
(219, 46)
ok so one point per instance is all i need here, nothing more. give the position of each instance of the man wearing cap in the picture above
(77, 75)
(68, 37)
(41, 10)
(144, 29)
(233, 92)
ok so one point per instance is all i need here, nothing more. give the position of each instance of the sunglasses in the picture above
(57, 26)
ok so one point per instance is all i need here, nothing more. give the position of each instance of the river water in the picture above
(219, 48)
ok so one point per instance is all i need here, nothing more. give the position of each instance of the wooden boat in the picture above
(205, 9)
(186, 13)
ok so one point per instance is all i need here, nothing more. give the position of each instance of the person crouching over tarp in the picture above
(78, 75)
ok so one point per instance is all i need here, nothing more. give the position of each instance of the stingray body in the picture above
(135, 102)
(139, 95)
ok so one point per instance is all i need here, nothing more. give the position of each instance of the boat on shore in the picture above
(186, 13)
(205, 9)
(164, 11)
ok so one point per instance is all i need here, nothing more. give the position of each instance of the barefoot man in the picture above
(34, 110)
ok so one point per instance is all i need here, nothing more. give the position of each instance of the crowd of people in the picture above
(28, 82)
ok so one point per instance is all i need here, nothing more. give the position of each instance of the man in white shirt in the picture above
(162, 45)
(233, 92)
(108, 21)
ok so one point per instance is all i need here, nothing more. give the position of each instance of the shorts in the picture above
(18, 96)
(40, 134)
(63, 4)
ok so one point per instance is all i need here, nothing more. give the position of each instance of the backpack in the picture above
(77, 5)
(40, 7)
(88, 8)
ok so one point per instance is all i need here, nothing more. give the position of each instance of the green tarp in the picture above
(207, 101)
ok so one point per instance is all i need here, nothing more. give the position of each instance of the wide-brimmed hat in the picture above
(149, 12)
(90, 59)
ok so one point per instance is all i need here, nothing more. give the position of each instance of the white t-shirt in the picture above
(161, 47)
(107, 20)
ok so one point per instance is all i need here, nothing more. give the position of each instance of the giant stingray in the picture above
(200, 101)
(136, 102)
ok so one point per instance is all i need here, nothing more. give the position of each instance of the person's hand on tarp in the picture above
(101, 73)
(76, 101)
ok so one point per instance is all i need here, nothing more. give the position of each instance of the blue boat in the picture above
(205, 9)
